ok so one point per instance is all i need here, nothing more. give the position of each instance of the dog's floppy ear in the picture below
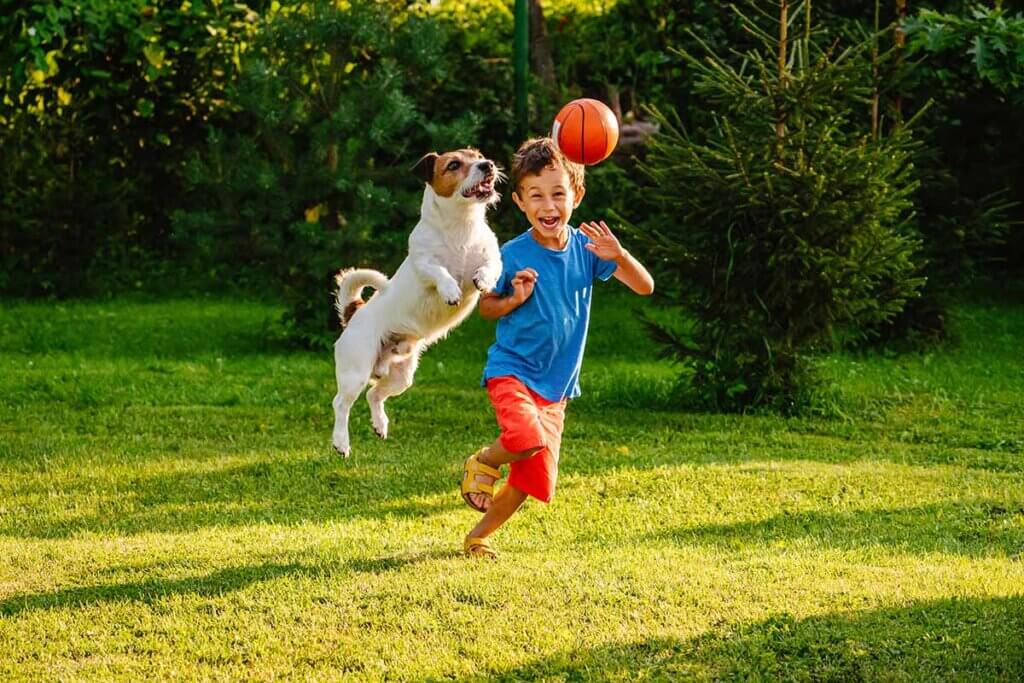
(424, 168)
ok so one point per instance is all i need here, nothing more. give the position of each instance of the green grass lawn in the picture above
(170, 507)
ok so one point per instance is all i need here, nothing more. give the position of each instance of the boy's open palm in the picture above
(603, 243)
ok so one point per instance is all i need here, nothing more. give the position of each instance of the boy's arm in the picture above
(606, 247)
(632, 273)
(494, 306)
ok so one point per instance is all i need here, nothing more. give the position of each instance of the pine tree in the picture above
(784, 224)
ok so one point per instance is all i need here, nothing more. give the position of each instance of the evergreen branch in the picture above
(753, 29)
(756, 6)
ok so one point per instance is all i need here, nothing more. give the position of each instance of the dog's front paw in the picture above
(450, 292)
(484, 280)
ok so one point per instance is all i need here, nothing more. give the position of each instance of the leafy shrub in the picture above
(101, 101)
(335, 105)
(783, 224)
(972, 64)
(625, 51)
(991, 40)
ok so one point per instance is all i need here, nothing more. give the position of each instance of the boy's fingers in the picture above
(594, 232)
(590, 247)
(607, 230)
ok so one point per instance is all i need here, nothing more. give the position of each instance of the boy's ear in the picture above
(424, 168)
(579, 198)
(518, 200)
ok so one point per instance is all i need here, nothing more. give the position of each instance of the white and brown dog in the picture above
(453, 256)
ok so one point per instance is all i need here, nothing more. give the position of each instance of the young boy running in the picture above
(542, 305)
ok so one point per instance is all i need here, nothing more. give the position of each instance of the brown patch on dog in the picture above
(398, 344)
(451, 169)
(393, 346)
(350, 310)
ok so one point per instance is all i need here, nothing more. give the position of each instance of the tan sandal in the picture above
(470, 469)
(479, 547)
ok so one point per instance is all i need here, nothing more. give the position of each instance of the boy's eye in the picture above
(452, 165)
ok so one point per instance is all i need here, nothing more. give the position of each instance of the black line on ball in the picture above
(583, 127)
(604, 129)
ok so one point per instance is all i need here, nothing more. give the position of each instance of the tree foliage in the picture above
(335, 102)
(101, 101)
(990, 39)
(783, 224)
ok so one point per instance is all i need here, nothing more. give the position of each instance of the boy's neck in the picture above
(556, 243)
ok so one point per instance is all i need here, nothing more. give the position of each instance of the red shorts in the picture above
(527, 421)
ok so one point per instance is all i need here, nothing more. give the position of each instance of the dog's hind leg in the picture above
(353, 363)
(399, 378)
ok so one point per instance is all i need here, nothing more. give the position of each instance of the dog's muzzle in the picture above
(484, 189)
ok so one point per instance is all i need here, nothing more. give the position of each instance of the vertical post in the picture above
(521, 56)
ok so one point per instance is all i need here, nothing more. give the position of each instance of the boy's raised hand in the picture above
(603, 243)
(522, 284)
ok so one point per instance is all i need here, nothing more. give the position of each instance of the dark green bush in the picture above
(783, 225)
(972, 64)
(335, 105)
(624, 54)
(101, 102)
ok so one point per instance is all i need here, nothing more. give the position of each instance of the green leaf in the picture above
(154, 55)
(145, 107)
(981, 54)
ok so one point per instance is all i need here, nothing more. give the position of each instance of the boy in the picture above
(542, 304)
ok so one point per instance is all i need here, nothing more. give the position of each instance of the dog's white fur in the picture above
(453, 256)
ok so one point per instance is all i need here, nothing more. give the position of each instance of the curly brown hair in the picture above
(536, 154)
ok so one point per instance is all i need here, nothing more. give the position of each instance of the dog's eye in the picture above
(452, 165)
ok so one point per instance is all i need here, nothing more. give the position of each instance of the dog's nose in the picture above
(486, 166)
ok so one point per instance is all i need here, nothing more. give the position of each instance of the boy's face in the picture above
(547, 199)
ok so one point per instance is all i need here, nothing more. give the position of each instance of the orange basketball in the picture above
(586, 131)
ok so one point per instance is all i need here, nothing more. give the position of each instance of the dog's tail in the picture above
(350, 290)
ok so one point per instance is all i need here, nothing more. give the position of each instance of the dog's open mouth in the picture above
(482, 190)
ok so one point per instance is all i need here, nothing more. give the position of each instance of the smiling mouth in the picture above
(482, 190)
(548, 222)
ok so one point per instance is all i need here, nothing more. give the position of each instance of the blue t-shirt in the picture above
(541, 342)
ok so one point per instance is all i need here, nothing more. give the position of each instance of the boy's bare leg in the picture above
(496, 456)
(504, 505)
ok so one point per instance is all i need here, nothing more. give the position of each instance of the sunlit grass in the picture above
(170, 508)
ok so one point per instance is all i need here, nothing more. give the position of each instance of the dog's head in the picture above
(463, 175)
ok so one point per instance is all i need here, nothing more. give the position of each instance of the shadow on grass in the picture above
(152, 590)
(692, 437)
(420, 482)
(966, 639)
(218, 583)
(284, 491)
(977, 528)
(170, 330)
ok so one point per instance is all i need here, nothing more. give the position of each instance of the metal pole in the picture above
(521, 52)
